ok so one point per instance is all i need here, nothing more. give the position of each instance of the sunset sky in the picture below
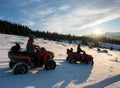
(79, 17)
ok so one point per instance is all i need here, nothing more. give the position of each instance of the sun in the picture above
(97, 31)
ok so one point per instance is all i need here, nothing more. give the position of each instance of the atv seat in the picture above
(15, 48)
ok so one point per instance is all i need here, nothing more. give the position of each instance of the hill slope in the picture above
(112, 35)
(104, 73)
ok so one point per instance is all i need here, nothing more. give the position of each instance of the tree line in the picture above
(22, 30)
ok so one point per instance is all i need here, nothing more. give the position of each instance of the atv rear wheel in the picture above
(90, 62)
(20, 68)
(73, 61)
(50, 64)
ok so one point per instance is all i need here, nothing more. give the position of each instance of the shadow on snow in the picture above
(105, 82)
(61, 77)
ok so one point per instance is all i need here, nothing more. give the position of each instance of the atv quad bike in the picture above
(21, 61)
(102, 50)
(74, 57)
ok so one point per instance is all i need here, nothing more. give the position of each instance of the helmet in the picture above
(31, 37)
(17, 43)
(79, 45)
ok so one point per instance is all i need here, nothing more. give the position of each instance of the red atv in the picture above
(73, 57)
(21, 61)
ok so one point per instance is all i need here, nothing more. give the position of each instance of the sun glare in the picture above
(97, 31)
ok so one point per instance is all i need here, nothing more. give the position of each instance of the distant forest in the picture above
(21, 30)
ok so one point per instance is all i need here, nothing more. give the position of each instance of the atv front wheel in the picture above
(50, 64)
(73, 61)
(20, 68)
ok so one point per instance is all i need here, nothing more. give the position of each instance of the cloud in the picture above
(29, 23)
(64, 7)
(80, 18)
(39, 12)
(27, 2)
(1, 17)
(70, 15)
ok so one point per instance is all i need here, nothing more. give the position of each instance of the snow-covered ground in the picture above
(105, 73)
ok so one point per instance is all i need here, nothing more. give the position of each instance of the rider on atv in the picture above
(32, 49)
(79, 50)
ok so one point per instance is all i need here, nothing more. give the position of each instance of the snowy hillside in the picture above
(105, 73)
(111, 35)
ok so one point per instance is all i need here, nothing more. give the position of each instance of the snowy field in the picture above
(105, 73)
